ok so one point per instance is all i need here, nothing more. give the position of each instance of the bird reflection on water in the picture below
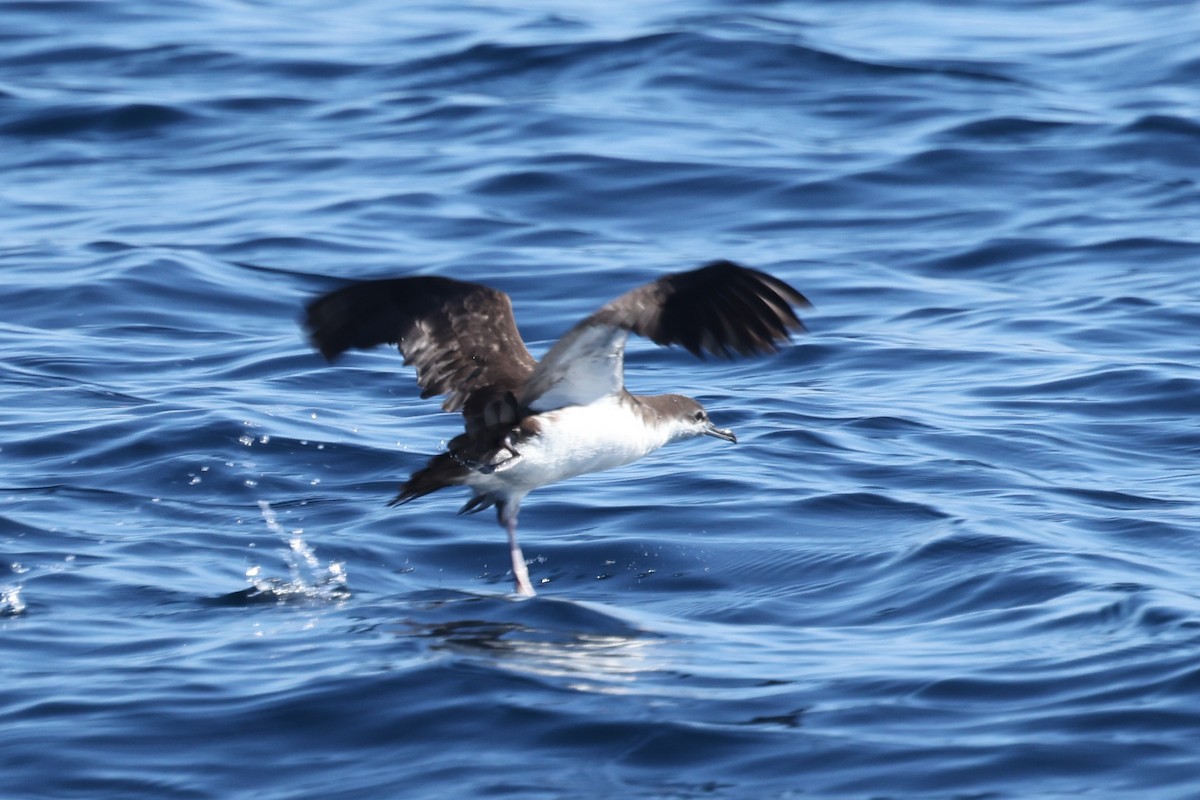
(563, 640)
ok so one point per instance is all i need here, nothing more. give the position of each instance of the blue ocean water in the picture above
(953, 555)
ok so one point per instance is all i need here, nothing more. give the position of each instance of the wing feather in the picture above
(460, 336)
(721, 309)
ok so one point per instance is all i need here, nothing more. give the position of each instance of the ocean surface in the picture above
(955, 553)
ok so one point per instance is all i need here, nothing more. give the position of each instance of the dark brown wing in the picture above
(721, 308)
(460, 336)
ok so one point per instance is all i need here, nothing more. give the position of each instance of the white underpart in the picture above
(576, 440)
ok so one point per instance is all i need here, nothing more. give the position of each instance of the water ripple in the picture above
(952, 554)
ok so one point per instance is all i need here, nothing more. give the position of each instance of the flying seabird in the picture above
(531, 423)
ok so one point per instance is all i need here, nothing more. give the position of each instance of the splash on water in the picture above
(11, 603)
(307, 576)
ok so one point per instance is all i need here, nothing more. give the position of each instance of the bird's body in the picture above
(574, 440)
(532, 423)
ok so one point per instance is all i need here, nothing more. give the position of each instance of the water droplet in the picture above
(11, 603)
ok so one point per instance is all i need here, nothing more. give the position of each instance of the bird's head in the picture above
(690, 419)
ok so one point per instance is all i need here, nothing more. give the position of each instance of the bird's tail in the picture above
(442, 470)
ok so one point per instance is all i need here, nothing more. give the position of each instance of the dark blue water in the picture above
(956, 552)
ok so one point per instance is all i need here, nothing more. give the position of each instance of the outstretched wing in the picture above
(460, 336)
(722, 308)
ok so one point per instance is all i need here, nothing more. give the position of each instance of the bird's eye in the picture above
(699, 417)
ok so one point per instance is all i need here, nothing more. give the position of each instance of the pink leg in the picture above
(520, 573)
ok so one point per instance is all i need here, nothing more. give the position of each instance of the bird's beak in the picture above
(720, 433)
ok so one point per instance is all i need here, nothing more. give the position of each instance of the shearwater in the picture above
(531, 423)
